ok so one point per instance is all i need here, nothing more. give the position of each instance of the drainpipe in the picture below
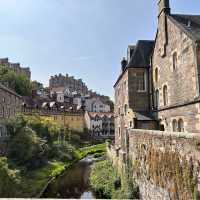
(196, 48)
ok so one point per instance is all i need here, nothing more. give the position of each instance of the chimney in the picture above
(123, 64)
(164, 7)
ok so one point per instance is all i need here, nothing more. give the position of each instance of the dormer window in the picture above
(175, 61)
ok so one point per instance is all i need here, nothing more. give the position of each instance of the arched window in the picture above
(175, 61)
(156, 74)
(165, 95)
(156, 99)
(174, 125)
(180, 125)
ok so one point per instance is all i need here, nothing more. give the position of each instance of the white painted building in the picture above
(96, 105)
(100, 125)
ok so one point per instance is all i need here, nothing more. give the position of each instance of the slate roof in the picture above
(190, 24)
(141, 55)
(144, 116)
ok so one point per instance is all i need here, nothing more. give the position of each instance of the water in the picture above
(74, 183)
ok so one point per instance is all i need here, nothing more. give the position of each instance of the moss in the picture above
(167, 168)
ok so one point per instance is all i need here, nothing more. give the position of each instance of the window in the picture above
(119, 110)
(180, 125)
(119, 132)
(125, 109)
(156, 74)
(175, 61)
(141, 82)
(125, 85)
(156, 99)
(165, 95)
(174, 125)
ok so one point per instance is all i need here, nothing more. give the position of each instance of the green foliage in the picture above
(103, 177)
(19, 83)
(34, 181)
(63, 152)
(36, 85)
(107, 184)
(99, 149)
(30, 141)
(27, 149)
(9, 180)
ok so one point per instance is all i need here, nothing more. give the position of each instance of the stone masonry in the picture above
(165, 165)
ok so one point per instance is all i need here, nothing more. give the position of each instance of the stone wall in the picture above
(165, 165)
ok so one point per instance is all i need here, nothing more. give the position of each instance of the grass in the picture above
(98, 150)
(34, 181)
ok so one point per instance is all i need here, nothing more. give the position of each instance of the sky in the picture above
(84, 38)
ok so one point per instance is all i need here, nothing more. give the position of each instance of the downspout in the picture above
(196, 47)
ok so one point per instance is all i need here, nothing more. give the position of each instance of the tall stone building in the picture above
(60, 81)
(164, 91)
(175, 71)
(16, 67)
(132, 97)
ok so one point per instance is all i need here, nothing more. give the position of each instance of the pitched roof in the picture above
(100, 115)
(144, 116)
(190, 24)
(141, 55)
(9, 90)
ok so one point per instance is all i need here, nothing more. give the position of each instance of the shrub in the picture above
(9, 180)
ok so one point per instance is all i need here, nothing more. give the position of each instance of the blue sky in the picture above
(85, 38)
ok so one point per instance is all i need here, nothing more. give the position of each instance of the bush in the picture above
(27, 149)
(103, 178)
(107, 184)
(63, 152)
(9, 180)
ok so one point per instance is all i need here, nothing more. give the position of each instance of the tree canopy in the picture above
(18, 82)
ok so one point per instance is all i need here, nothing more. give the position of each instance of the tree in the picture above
(26, 148)
(18, 82)
(9, 180)
(37, 86)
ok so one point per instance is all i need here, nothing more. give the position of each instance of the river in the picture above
(74, 183)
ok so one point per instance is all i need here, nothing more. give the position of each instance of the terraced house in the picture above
(159, 84)
(10, 105)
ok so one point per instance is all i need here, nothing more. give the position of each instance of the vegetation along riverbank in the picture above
(38, 150)
(107, 184)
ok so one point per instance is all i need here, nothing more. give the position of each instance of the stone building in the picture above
(132, 96)
(175, 71)
(74, 85)
(16, 67)
(10, 105)
(159, 84)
